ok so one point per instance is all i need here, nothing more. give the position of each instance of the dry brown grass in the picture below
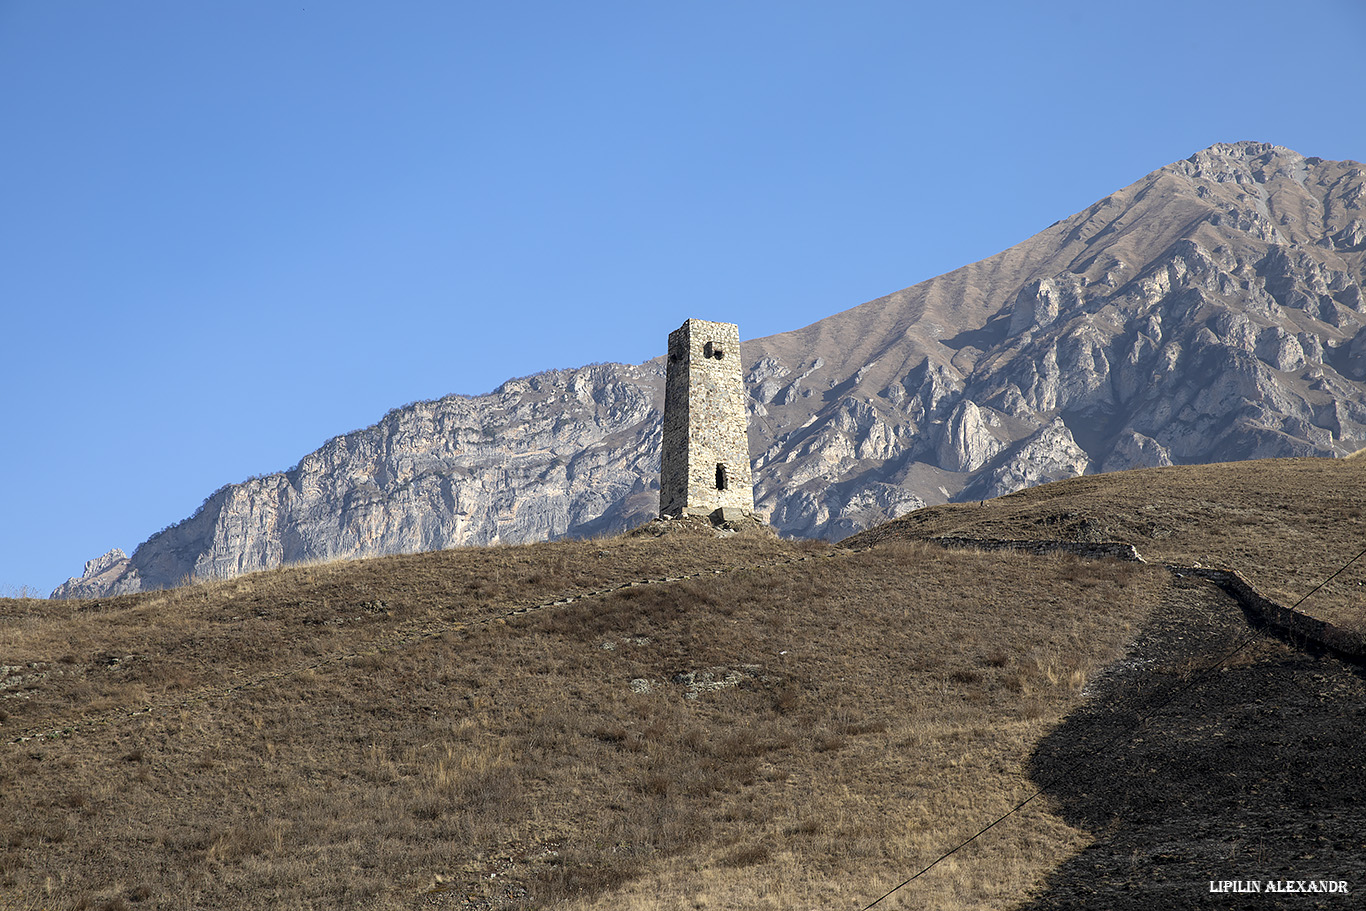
(790, 733)
(134, 650)
(1285, 524)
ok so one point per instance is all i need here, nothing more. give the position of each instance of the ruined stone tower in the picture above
(705, 466)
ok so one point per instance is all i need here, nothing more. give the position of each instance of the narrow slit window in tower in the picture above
(721, 479)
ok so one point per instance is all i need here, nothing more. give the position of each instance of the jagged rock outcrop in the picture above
(109, 574)
(1134, 450)
(1211, 311)
(967, 443)
(1048, 454)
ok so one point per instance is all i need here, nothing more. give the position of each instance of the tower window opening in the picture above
(711, 349)
(722, 481)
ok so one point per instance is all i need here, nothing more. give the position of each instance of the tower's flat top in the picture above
(705, 322)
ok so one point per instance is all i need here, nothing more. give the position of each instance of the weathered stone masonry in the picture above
(705, 463)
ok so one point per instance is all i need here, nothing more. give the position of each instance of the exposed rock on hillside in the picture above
(967, 443)
(1211, 311)
(110, 574)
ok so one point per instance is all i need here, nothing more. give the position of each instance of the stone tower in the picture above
(705, 466)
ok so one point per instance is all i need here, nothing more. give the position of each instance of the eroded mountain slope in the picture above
(1211, 311)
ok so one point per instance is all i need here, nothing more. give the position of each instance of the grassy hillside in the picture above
(1285, 524)
(753, 723)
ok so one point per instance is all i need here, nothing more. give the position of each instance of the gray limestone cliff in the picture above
(567, 451)
(1211, 311)
(109, 574)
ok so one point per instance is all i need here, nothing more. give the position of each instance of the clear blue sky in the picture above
(230, 231)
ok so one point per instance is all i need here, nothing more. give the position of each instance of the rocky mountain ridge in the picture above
(1211, 311)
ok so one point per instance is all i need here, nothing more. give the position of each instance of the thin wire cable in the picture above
(1330, 578)
(1066, 769)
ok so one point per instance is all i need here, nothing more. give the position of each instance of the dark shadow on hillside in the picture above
(1256, 772)
(985, 338)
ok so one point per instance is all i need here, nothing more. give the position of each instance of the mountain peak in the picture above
(1214, 310)
(1243, 150)
(1245, 162)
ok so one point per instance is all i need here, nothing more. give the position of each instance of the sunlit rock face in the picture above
(1211, 311)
